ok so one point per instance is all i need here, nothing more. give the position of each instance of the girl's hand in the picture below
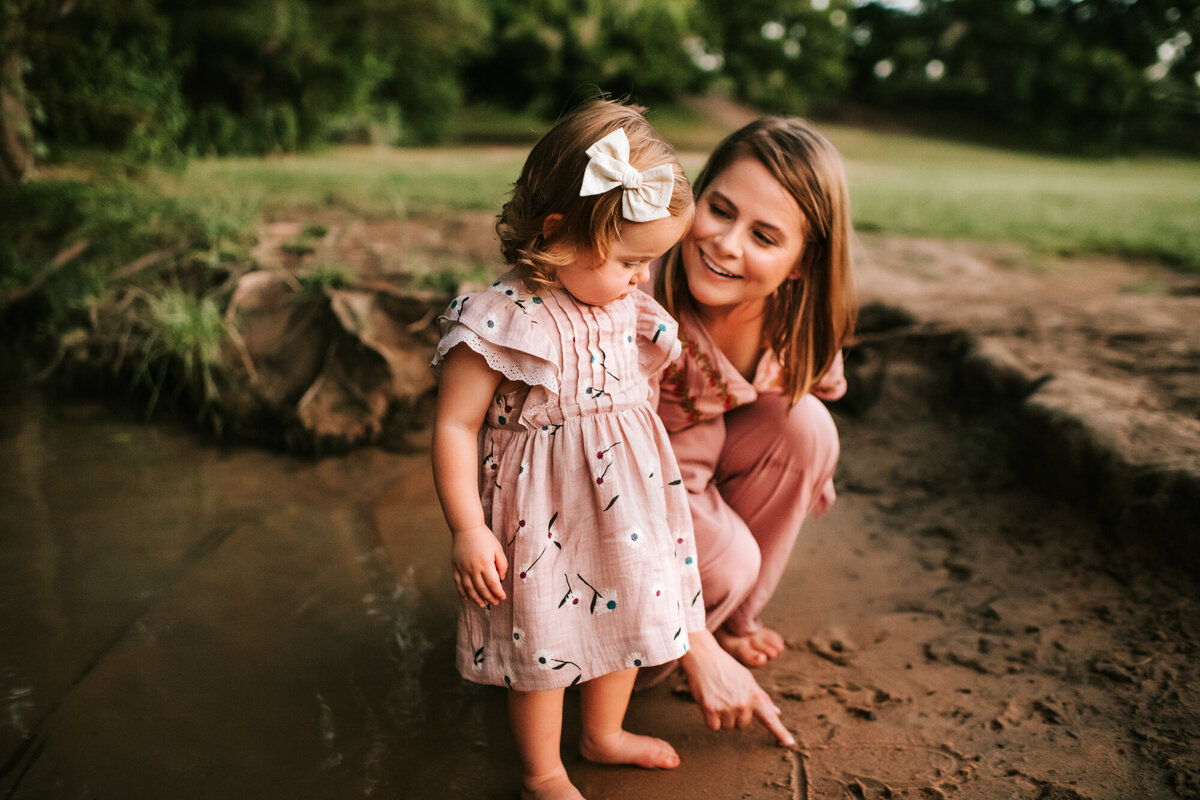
(479, 566)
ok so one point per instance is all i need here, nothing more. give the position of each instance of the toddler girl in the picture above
(573, 545)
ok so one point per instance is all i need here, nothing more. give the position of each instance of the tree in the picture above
(105, 76)
(264, 76)
(424, 45)
(543, 53)
(1095, 74)
(257, 77)
(21, 20)
(781, 55)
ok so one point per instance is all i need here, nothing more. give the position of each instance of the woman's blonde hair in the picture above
(550, 181)
(808, 319)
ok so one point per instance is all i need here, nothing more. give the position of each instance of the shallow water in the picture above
(183, 620)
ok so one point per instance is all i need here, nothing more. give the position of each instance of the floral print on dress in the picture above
(545, 661)
(528, 302)
(503, 407)
(581, 489)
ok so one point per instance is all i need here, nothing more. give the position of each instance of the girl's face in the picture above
(747, 239)
(597, 281)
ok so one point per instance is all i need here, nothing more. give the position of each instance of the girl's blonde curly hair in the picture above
(550, 181)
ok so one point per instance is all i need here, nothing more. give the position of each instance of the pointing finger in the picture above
(768, 714)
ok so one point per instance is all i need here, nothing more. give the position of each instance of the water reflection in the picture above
(181, 620)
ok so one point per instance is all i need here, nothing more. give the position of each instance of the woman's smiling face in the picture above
(748, 238)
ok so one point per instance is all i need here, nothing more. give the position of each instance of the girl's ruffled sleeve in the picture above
(657, 336)
(502, 324)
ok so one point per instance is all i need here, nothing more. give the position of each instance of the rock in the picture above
(330, 369)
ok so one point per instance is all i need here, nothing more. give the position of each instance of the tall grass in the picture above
(182, 332)
(107, 225)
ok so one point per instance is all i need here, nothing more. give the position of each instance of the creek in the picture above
(180, 619)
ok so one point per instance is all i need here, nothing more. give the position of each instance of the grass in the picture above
(371, 182)
(110, 279)
(916, 186)
(910, 185)
(1144, 207)
(85, 241)
(72, 235)
(183, 332)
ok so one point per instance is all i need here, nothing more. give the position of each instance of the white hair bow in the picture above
(646, 195)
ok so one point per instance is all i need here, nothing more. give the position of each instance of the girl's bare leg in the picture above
(536, 719)
(603, 702)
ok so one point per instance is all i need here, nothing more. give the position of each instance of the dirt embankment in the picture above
(1093, 359)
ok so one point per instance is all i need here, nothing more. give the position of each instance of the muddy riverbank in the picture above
(186, 620)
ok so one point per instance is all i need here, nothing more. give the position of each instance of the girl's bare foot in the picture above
(624, 747)
(754, 649)
(555, 786)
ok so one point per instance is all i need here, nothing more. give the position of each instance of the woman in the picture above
(762, 289)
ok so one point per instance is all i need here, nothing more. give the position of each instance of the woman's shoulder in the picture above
(702, 383)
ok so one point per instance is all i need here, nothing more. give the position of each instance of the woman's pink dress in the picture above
(579, 483)
(754, 464)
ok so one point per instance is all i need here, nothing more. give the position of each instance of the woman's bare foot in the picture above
(624, 747)
(754, 649)
(555, 786)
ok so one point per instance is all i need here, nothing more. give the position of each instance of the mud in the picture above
(181, 620)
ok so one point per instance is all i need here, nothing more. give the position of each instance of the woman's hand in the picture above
(726, 692)
(832, 385)
(479, 565)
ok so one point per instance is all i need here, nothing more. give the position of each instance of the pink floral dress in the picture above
(579, 483)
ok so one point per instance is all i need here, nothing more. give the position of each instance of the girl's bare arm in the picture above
(467, 386)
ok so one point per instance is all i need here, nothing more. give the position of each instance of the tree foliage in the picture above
(104, 75)
(781, 56)
(156, 80)
(542, 52)
(18, 107)
(1095, 74)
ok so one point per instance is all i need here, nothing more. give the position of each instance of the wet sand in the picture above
(179, 620)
